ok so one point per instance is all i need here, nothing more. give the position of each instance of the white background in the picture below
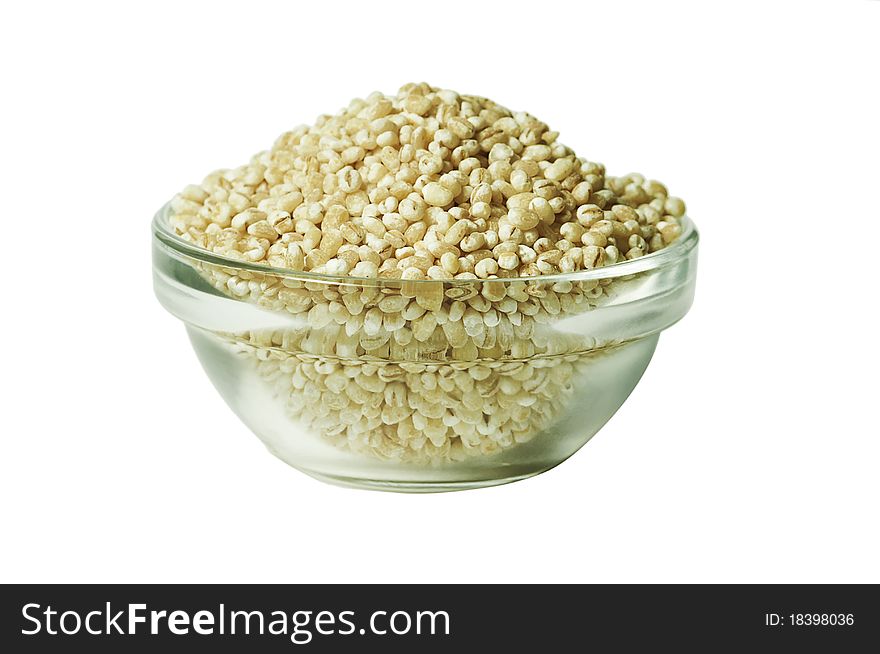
(748, 453)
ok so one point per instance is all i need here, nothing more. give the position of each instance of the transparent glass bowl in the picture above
(422, 385)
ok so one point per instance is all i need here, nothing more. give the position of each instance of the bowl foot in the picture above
(415, 486)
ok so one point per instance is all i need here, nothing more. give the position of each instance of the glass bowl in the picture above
(422, 385)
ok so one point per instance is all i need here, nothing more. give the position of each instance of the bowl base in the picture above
(414, 486)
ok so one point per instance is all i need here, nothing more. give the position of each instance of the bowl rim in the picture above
(679, 250)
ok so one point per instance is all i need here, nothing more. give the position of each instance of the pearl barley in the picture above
(414, 197)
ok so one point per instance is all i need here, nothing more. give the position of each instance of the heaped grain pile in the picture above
(423, 193)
